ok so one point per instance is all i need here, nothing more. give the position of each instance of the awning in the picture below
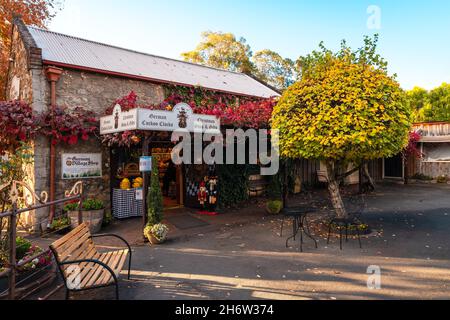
(436, 139)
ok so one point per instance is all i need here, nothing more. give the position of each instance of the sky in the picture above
(414, 35)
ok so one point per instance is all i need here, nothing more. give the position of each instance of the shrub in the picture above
(41, 262)
(93, 204)
(60, 223)
(421, 176)
(274, 206)
(88, 205)
(107, 219)
(159, 231)
(22, 247)
(154, 198)
(442, 179)
(274, 191)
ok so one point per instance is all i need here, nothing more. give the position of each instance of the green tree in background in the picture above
(345, 110)
(222, 50)
(225, 51)
(274, 69)
(417, 98)
(436, 106)
(430, 106)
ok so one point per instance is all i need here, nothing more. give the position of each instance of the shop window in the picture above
(436, 152)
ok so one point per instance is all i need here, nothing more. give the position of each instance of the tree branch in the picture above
(345, 175)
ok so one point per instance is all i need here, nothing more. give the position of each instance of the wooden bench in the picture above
(83, 267)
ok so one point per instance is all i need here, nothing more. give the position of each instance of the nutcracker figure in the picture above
(203, 195)
(212, 193)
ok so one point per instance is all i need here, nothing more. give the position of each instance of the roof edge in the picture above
(139, 52)
(34, 52)
(136, 77)
(264, 83)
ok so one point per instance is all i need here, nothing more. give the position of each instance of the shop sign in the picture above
(81, 166)
(119, 121)
(139, 194)
(180, 118)
(145, 164)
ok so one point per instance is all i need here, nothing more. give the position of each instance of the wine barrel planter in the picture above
(93, 218)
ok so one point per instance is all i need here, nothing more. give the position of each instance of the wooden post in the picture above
(12, 252)
(53, 76)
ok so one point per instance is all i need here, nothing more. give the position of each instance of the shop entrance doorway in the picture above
(126, 179)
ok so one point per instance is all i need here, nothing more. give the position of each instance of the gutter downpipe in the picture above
(53, 75)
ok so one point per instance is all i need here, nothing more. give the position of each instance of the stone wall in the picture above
(97, 92)
(434, 169)
(94, 92)
(19, 77)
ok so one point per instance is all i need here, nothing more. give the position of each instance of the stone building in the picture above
(435, 148)
(77, 72)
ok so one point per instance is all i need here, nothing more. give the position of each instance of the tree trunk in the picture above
(366, 174)
(335, 193)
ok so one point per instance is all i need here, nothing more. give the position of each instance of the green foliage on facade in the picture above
(233, 181)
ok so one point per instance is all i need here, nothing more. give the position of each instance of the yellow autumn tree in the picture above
(345, 110)
(32, 12)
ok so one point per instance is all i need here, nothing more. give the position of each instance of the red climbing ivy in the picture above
(412, 149)
(234, 111)
(70, 126)
(17, 125)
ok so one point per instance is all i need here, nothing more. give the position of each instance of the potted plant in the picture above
(32, 272)
(93, 213)
(274, 204)
(155, 231)
(61, 225)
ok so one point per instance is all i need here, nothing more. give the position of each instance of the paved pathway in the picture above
(250, 261)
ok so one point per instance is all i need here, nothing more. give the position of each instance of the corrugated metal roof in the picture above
(60, 48)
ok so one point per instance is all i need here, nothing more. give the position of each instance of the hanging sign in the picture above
(145, 164)
(81, 166)
(180, 118)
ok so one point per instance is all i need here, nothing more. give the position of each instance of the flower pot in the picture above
(93, 218)
(63, 231)
(153, 240)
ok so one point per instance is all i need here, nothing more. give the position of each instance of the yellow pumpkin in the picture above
(138, 182)
(125, 184)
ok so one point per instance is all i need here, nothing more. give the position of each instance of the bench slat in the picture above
(106, 276)
(97, 272)
(81, 243)
(78, 245)
(60, 242)
(74, 241)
